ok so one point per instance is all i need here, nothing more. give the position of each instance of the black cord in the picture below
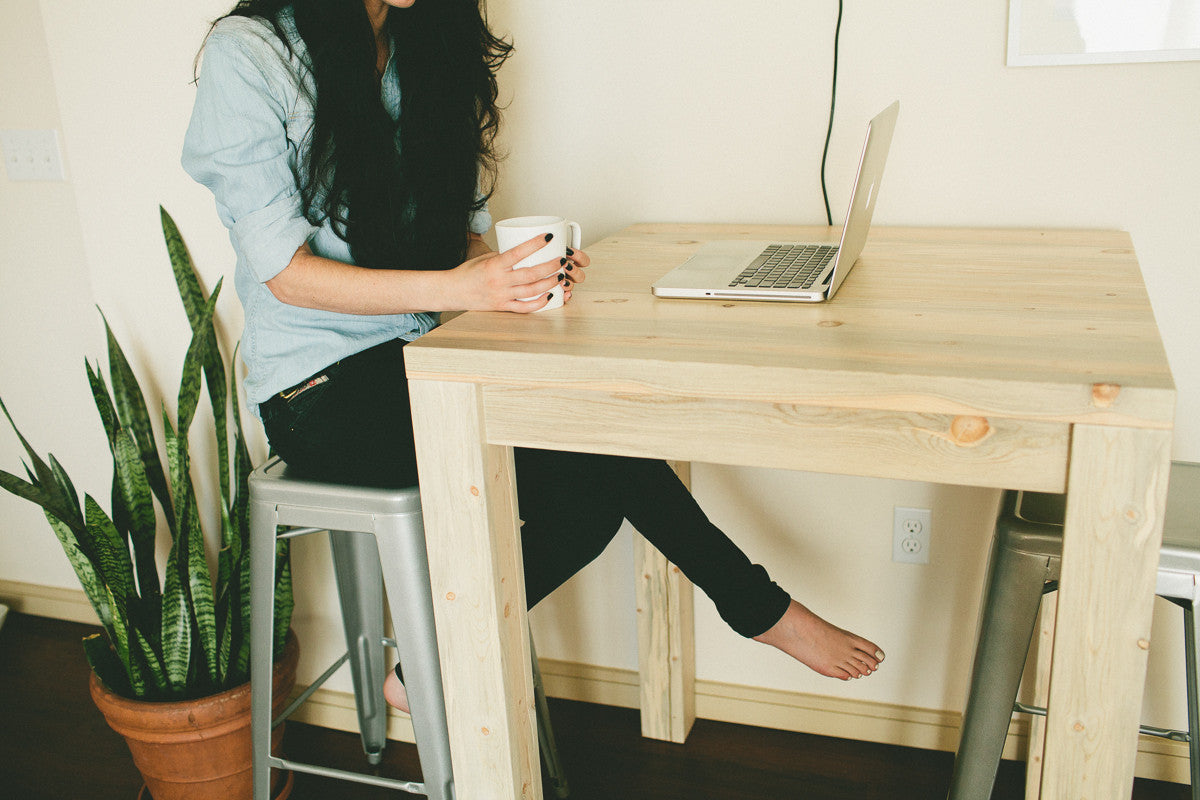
(832, 99)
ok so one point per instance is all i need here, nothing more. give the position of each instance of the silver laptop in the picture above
(804, 272)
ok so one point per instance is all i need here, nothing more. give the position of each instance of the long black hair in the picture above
(405, 207)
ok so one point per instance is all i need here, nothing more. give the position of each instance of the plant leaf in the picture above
(111, 554)
(198, 352)
(215, 379)
(132, 414)
(189, 552)
(176, 614)
(49, 496)
(200, 314)
(150, 662)
(50, 503)
(120, 642)
(134, 487)
(93, 587)
(103, 400)
(184, 270)
(107, 665)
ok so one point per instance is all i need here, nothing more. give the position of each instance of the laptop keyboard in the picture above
(783, 266)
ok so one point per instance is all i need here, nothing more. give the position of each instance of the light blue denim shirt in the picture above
(246, 142)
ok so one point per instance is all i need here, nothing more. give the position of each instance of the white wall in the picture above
(626, 111)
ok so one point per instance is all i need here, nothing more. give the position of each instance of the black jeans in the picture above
(351, 423)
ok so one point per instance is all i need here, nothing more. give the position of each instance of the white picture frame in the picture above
(1054, 32)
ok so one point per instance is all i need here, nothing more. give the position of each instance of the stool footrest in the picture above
(346, 775)
(1161, 733)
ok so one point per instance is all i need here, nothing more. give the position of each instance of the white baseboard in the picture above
(48, 601)
(930, 729)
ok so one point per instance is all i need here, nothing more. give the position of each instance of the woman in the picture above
(349, 146)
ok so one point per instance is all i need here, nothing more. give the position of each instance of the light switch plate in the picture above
(32, 155)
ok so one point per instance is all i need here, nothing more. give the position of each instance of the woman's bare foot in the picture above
(394, 692)
(820, 646)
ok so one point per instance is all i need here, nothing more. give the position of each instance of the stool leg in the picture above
(1191, 641)
(1010, 603)
(546, 741)
(401, 541)
(360, 590)
(263, 518)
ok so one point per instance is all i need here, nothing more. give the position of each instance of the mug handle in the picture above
(576, 235)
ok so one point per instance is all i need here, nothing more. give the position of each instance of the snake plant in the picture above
(185, 636)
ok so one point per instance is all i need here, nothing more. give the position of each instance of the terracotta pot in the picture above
(199, 749)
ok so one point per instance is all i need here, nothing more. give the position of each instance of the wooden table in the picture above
(1005, 358)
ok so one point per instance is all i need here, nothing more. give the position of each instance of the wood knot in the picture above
(1078, 726)
(969, 431)
(475, 491)
(450, 596)
(507, 610)
(1143, 644)
(1104, 394)
(830, 323)
(485, 731)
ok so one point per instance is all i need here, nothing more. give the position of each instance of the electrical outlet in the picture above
(910, 535)
(32, 155)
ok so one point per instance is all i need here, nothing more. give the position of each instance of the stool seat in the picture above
(279, 483)
(377, 538)
(1025, 562)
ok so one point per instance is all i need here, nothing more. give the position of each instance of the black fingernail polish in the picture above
(570, 252)
(562, 261)
(567, 284)
(550, 296)
(570, 266)
(549, 236)
(561, 276)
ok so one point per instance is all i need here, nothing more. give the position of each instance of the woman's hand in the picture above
(489, 283)
(575, 269)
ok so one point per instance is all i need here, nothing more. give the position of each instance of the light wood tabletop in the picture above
(1023, 359)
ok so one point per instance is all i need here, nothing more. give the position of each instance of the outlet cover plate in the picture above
(910, 535)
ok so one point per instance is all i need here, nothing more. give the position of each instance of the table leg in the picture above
(666, 640)
(1117, 485)
(468, 496)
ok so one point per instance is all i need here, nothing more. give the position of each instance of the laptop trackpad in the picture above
(714, 264)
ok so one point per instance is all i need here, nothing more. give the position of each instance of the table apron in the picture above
(939, 448)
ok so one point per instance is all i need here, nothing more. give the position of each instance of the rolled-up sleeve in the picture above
(237, 145)
(481, 220)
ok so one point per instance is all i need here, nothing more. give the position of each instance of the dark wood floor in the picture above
(55, 745)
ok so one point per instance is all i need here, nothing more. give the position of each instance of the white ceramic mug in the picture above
(515, 231)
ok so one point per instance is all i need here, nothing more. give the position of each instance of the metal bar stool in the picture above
(377, 537)
(1025, 560)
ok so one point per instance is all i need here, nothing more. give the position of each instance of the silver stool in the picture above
(377, 537)
(1025, 561)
